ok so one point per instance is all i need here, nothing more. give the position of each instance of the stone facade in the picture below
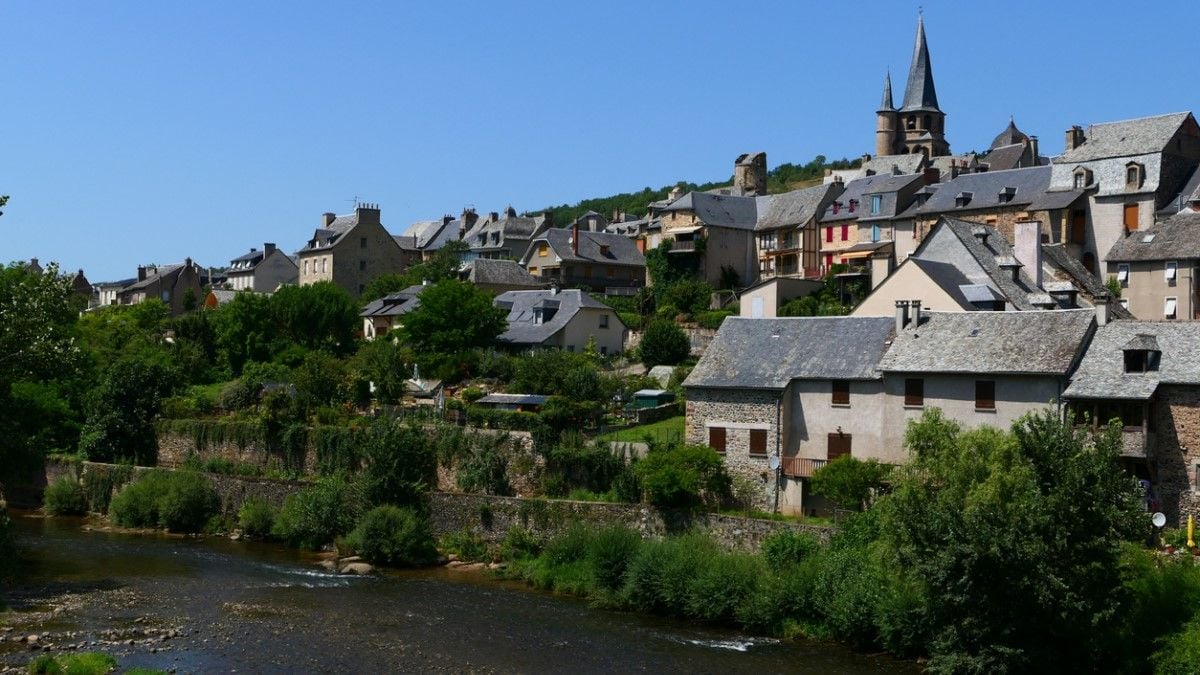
(1176, 452)
(175, 449)
(739, 411)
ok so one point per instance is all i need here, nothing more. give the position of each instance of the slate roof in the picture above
(1101, 373)
(1004, 157)
(793, 208)
(885, 103)
(1052, 200)
(885, 164)
(254, 257)
(978, 261)
(770, 353)
(621, 250)
(122, 283)
(740, 213)
(509, 225)
(394, 304)
(860, 190)
(985, 189)
(324, 237)
(1177, 238)
(1045, 343)
(1141, 136)
(919, 93)
(522, 326)
(405, 243)
(513, 399)
(222, 296)
(1062, 265)
(162, 272)
(499, 272)
(1010, 136)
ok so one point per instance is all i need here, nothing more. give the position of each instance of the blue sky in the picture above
(136, 132)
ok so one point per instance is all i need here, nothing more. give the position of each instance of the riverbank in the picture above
(248, 605)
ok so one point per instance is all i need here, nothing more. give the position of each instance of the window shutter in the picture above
(758, 441)
(914, 391)
(839, 445)
(716, 439)
(841, 392)
(985, 394)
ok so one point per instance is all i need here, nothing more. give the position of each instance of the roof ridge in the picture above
(1139, 119)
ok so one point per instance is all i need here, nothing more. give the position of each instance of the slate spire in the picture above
(920, 94)
(887, 94)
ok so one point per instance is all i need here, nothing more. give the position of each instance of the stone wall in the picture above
(1176, 451)
(738, 411)
(491, 517)
(175, 448)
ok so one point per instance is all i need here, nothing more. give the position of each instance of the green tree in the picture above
(1014, 539)
(382, 362)
(122, 410)
(453, 317)
(849, 481)
(683, 476)
(401, 463)
(244, 331)
(663, 343)
(317, 316)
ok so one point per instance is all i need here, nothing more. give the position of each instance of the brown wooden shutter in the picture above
(1131, 217)
(914, 391)
(839, 444)
(1078, 227)
(985, 394)
(758, 441)
(716, 439)
(841, 392)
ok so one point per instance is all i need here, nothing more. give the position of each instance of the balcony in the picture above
(683, 246)
(800, 467)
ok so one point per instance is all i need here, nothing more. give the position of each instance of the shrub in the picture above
(660, 575)
(849, 481)
(240, 394)
(401, 463)
(66, 497)
(1180, 653)
(683, 476)
(86, 663)
(180, 501)
(663, 343)
(722, 584)
(788, 547)
(256, 518)
(569, 546)
(317, 515)
(485, 471)
(390, 535)
(609, 554)
(712, 320)
(466, 544)
(519, 544)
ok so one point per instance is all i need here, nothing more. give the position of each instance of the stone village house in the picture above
(1157, 268)
(807, 390)
(560, 319)
(354, 249)
(262, 271)
(594, 260)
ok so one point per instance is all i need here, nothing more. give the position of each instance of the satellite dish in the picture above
(1158, 519)
(773, 462)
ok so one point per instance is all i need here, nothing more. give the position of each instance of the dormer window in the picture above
(853, 205)
(604, 250)
(1083, 178)
(1006, 195)
(837, 206)
(1141, 360)
(1135, 174)
(963, 198)
(876, 204)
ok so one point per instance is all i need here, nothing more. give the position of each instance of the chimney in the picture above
(980, 233)
(141, 272)
(253, 250)
(553, 288)
(493, 217)
(1027, 247)
(510, 212)
(1101, 302)
(675, 193)
(931, 175)
(368, 214)
(327, 219)
(446, 219)
(916, 313)
(575, 238)
(865, 158)
(1075, 138)
(468, 221)
(268, 249)
(838, 180)
(901, 315)
(1033, 150)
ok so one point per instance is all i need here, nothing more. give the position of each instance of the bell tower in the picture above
(886, 121)
(922, 123)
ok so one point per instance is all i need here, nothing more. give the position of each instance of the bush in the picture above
(663, 343)
(317, 515)
(467, 545)
(609, 554)
(712, 320)
(850, 481)
(390, 535)
(784, 548)
(683, 476)
(66, 497)
(519, 544)
(660, 575)
(180, 501)
(86, 663)
(485, 471)
(1180, 653)
(722, 584)
(256, 518)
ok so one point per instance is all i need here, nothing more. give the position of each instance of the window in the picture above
(362, 265)
(603, 350)
(1169, 272)
(876, 204)
(610, 272)
(1078, 227)
(829, 235)
(985, 394)
(841, 392)
(1123, 274)
(911, 122)
(838, 445)
(845, 233)
(1133, 175)
(914, 392)
(963, 198)
(362, 242)
(306, 267)
(828, 260)
(716, 439)
(875, 233)
(543, 251)
(1006, 195)
(604, 321)
(1131, 217)
(1083, 178)
(1141, 360)
(1169, 308)
(758, 442)
(323, 261)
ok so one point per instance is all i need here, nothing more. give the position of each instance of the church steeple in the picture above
(919, 93)
(887, 104)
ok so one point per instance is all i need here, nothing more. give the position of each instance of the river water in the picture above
(226, 606)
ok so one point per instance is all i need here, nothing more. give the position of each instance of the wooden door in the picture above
(1131, 217)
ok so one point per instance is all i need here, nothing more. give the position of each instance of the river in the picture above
(216, 605)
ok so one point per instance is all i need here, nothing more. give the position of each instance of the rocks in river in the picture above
(32, 639)
(357, 568)
(330, 565)
(453, 557)
(350, 559)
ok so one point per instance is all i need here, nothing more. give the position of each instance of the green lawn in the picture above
(670, 429)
